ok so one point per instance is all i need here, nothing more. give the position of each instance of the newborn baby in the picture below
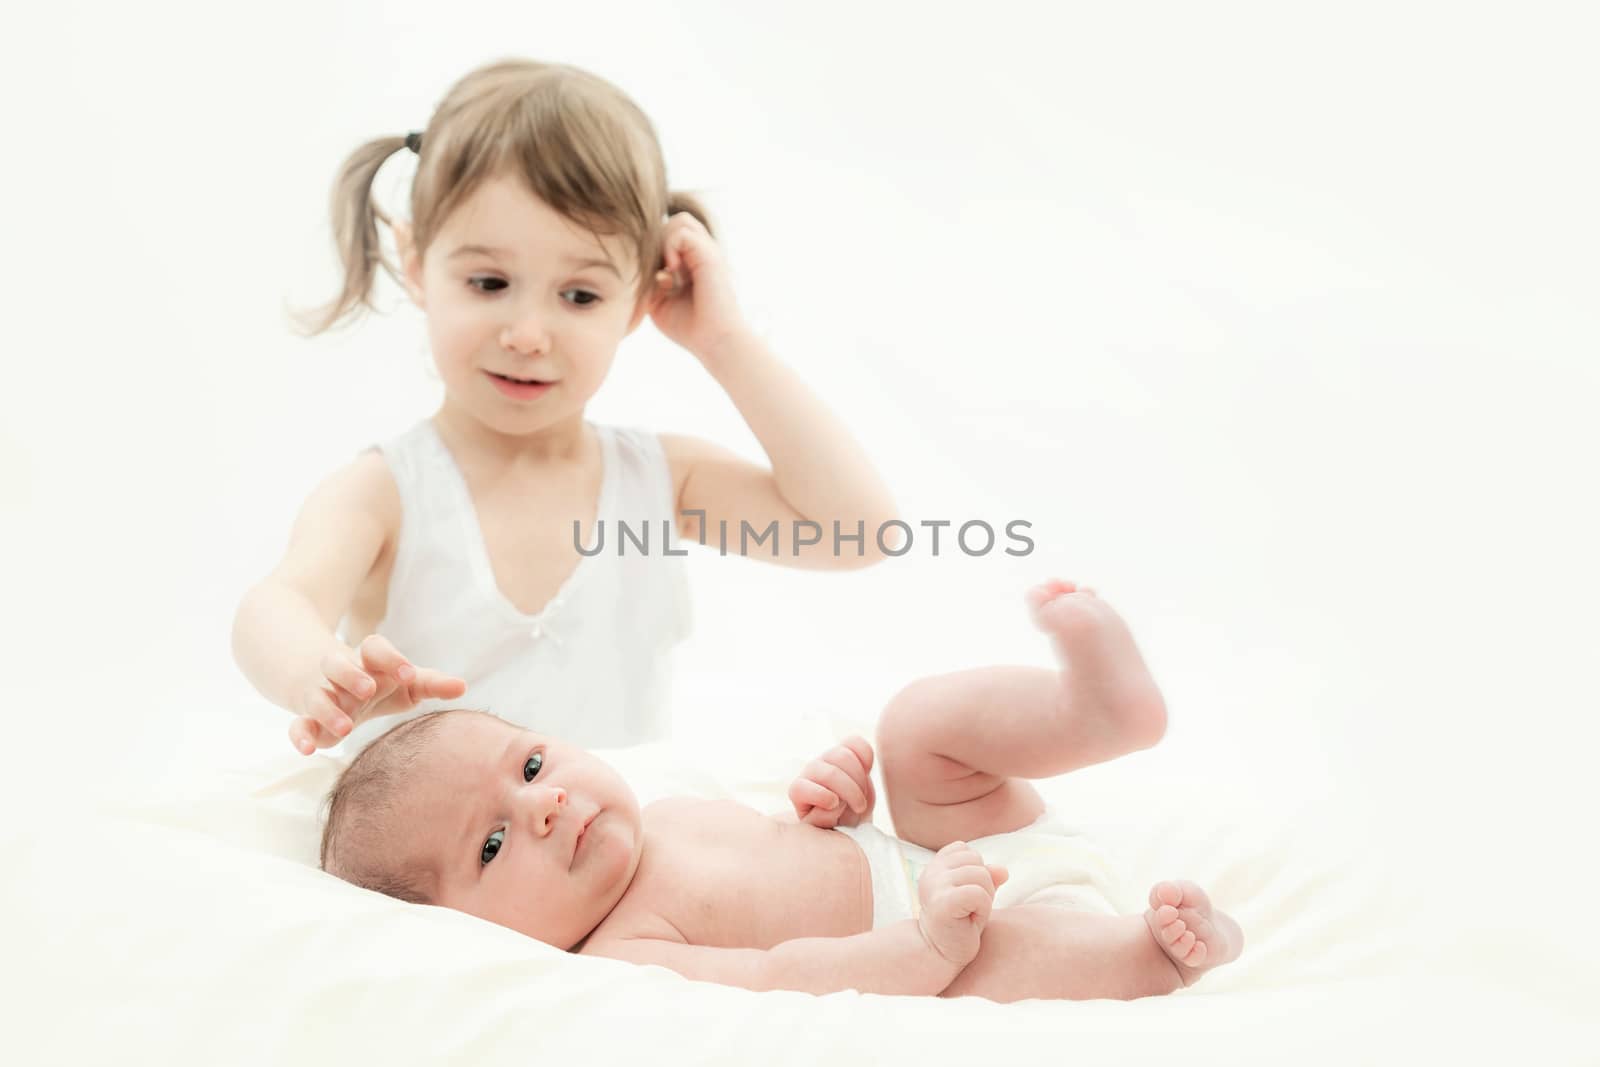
(461, 809)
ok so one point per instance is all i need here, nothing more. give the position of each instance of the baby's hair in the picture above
(576, 142)
(361, 840)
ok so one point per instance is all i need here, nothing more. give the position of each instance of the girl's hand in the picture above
(694, 304)
(836, 788)
(364, 684)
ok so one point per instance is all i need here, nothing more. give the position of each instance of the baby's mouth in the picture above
(577, 839)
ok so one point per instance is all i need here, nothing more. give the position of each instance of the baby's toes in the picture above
(1170, 930)
(1040, 595)
(1202, 928)
(1166, 893)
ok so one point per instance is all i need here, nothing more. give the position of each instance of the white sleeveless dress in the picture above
(592, 667)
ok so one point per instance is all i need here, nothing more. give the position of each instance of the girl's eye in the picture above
(491, 846)
(536, 761)
(495, 285)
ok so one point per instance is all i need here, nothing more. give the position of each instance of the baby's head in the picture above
(464, 810)
(540, 193)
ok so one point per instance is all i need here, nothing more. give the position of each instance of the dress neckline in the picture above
(478, 548)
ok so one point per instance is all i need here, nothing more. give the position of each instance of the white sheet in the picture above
(193, 927)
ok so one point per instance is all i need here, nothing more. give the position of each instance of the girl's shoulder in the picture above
(363, 488)
(686, 455)
(656, 458)
(343, 529)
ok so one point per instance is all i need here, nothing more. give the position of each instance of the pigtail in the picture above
(681, 201)
(355, 236)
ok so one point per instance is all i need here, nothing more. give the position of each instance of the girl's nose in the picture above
(525, 336)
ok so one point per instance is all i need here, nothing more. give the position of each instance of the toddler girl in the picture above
(541, 233)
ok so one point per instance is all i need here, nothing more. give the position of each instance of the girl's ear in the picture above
(648, 304)
(640, 310)
(410, 262)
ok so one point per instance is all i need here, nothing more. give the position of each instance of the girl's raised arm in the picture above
(822, 492)
(820, 475)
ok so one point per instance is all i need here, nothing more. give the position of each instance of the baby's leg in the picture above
(954, 748)
(1038, 950)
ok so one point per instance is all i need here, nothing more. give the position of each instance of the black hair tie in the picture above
(414, 141)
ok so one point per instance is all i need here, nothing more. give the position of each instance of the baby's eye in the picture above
(593, 298)
(536, 761)
(473, 282)
(491, 846)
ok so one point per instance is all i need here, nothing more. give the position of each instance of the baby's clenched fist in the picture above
(957, 893)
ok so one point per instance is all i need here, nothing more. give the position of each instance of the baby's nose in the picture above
(546, 803)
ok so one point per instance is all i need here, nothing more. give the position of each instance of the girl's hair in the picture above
(575, 140)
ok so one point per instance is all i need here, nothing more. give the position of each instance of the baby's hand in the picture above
(362, 684)
(835, 789)
(957, 893)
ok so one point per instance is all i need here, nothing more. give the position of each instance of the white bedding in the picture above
(194, 928)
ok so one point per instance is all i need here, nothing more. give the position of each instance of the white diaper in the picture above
(1048, 862)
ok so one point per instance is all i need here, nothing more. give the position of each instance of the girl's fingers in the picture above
(350, 705)
(300, 737)
(683, 230)
(378, 654)
(432, 683)
(333, 719)
(307, 735)
(348, 675)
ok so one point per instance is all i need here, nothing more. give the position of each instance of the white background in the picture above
(1277, 323)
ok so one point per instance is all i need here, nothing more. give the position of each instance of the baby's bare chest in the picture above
(721, 874)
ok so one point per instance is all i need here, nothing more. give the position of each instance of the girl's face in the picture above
(525, 309)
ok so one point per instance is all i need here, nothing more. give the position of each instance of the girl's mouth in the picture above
(519, 388)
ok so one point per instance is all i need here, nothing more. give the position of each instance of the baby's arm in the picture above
(914, 957)
(894, 959)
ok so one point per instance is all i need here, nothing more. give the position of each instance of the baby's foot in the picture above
(1196, 937)
(1107, 691)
